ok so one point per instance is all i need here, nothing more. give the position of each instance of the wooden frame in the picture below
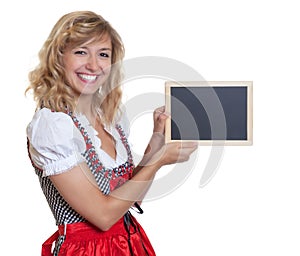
(211, 113)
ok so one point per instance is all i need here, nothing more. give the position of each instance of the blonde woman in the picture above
(77, 142)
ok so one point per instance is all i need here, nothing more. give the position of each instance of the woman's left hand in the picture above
(159, 119)
(157, 140)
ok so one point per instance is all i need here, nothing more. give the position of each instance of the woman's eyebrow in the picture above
(101, 49)
(105, 49)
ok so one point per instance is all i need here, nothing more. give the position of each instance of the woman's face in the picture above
(88, 66)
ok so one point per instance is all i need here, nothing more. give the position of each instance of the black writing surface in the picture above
(207, 113)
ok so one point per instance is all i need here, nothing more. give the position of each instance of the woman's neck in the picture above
(84, 106)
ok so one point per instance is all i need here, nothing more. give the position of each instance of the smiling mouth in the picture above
(87, 78)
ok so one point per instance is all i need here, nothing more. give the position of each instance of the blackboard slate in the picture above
(211, 113)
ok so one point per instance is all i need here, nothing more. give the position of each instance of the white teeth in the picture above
(87, 77)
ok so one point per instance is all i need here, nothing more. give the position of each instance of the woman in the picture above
(77, 142)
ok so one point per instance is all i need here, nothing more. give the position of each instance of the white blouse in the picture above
(56, 144)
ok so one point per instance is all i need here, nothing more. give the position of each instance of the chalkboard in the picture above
(212, 113)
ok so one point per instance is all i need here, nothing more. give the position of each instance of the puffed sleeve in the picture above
(55, 143)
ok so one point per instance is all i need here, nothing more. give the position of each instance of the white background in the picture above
(250, 207)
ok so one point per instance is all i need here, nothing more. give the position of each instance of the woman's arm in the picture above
(79, 189)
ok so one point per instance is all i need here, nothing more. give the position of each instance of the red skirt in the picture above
(83, 239)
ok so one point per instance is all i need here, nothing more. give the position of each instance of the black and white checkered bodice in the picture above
(107, 179)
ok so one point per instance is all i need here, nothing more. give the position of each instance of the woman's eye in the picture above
(79, 52)
(103, 54)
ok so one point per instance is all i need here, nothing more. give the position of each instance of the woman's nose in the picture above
(93, 64)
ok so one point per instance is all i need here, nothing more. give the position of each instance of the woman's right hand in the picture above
(174, 152)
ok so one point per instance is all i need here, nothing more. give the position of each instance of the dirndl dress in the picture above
(76, 236)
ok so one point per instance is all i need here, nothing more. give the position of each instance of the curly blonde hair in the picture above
(48, 80)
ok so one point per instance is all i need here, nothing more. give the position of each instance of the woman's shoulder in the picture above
(46, 114)
(46, 122)
(55, 143)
